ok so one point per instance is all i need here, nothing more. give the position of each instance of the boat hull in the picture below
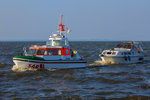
(122, 60)
(49, 64)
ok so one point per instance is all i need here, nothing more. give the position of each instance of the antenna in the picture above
(61, 19)
(61, 25)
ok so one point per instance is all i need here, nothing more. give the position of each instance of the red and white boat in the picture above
(56, 54)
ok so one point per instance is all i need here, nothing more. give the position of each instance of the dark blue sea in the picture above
(96, 82)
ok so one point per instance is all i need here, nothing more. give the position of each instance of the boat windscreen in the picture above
(31, 51)
(124, 45)
(40, 51)
(56, 43)
(59, 42)
(52, 52)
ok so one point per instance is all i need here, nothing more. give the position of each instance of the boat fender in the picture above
(129, 58)
(71, 52)
(138, 50)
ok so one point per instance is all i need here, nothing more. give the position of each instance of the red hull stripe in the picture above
(49, 62)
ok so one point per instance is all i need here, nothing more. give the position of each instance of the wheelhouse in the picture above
(58, 40)
(57, 43)
(40, 51)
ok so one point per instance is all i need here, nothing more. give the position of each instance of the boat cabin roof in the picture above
(44, 47)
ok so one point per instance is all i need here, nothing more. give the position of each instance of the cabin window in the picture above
(133, 47)
(59, 43)
(113, 53)
(108, 53)
(40, 52)
(52, 52)
(132, 53)
(49, 42)
(46, 52)
(129, 53)
(31, 51)
(124, 45)
(104, 53)
(125, 53)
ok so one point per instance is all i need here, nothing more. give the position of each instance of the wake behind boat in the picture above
(123, 53)
(56, 54)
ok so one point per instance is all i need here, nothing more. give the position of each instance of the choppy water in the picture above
(95, 82)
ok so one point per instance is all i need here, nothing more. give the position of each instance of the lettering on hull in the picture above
(36, 66)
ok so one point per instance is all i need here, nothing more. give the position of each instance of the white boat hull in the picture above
(48, 64)
(122, 60)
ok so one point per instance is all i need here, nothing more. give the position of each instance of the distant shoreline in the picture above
(73, 41)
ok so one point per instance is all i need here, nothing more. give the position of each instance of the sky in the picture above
(91, 20)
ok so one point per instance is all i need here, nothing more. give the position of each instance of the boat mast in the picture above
(62, 27)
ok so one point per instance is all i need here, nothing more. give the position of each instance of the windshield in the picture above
(125, 45)
(59, 43)
(31, 51)
(53, 52)
(56, 43)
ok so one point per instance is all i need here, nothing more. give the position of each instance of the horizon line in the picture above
(69, 40)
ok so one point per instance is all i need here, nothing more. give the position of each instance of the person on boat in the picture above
(53, 43)
(46, 52)
(59, 52)
(71, 52)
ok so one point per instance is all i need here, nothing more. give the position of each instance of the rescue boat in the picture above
(56, 54)
(123, 53)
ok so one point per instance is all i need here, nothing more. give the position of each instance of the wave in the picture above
(16, 68)
(3, 64)
(100, 62)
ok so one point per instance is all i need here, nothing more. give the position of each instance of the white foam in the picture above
(16, 68)
(100, 62)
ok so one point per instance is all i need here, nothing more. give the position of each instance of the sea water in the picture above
(97, 81)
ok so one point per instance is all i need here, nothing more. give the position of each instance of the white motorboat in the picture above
(123, 53)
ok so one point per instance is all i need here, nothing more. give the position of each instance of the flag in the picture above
(68, 31)
(58, 30)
